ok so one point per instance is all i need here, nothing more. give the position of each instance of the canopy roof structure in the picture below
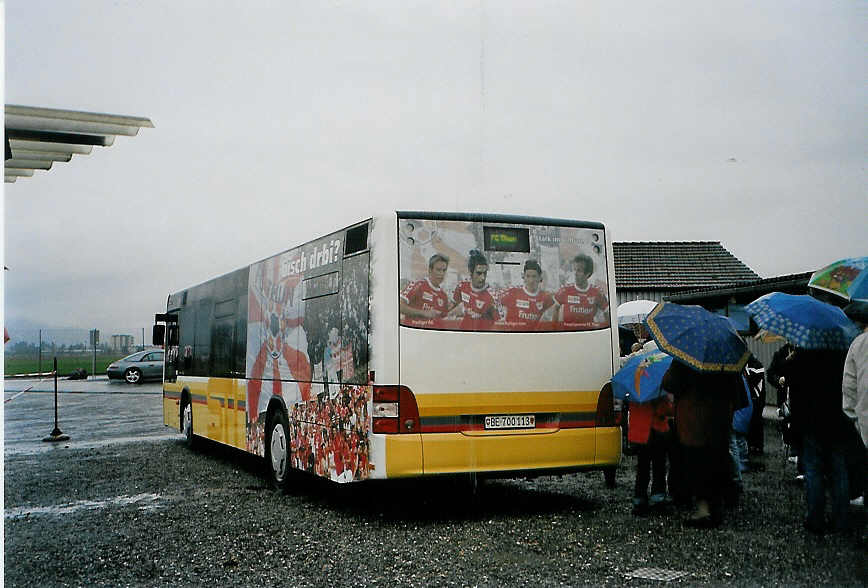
(38, 137)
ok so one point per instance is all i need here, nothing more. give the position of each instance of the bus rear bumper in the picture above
(564, 450)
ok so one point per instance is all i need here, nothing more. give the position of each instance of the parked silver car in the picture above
(137, 367)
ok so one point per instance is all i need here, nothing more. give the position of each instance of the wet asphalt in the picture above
(91, 413)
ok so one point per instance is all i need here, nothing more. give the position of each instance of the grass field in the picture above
(13, 365)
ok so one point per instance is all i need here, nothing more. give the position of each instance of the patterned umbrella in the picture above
(702, 340)
(804, 321)
(641, 376)
(847, 278)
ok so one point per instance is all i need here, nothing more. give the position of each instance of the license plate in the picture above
(511, 421)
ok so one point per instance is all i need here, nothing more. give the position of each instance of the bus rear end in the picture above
(504, 348)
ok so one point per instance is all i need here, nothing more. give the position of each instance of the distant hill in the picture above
(28, 331)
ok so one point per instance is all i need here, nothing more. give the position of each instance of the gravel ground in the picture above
(155, 513)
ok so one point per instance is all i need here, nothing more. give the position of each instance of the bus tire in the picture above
(277, 449)
(187, 421)
(609, 476)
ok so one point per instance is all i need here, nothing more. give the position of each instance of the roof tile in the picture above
(677, 264)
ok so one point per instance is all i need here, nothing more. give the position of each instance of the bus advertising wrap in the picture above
(475, 276)
(307, 343)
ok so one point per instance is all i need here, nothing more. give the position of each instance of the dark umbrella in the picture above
(702, 340)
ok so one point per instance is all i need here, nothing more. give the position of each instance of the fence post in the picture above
(56, 434)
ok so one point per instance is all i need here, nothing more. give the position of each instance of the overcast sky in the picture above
(739, 122)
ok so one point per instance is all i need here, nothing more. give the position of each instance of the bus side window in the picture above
(202, 340)
(357, 240)
(354, 315)
(186, 331)
(239, 349)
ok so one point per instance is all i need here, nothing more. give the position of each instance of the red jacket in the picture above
(647, 416)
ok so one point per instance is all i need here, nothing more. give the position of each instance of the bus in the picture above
(410, 344)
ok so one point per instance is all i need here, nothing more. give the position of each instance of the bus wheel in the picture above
(277, 449)
(609, 475)
(133, 376)
(187, 422)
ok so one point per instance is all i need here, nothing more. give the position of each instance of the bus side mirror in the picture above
(172, 335)
(159, 335)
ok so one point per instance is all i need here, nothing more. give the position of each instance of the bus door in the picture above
(167, 336)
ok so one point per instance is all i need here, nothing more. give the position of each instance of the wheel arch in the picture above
(185, 397)
(276, 403)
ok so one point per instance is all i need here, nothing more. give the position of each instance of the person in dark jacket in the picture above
(790, 437)
(814, 381)
(756, 382)
(704, 403)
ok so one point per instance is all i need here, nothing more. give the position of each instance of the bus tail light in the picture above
(605, 407)
(394, 410)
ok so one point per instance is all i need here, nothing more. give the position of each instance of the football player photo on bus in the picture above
(519, 279)
(581, 304)
(525, 305)
(472, 300)
(424, 300)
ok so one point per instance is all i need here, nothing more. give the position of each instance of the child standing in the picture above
(649, 430)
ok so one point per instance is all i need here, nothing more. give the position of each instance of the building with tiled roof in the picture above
(653, 270)
(703, 273)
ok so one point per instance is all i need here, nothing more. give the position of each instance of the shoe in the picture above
(800, 478)
(858, 501)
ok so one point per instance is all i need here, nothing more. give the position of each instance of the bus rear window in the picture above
(468, 276)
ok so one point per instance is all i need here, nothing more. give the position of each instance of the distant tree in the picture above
(22, 348)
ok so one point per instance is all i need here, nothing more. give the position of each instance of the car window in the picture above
(133, 357)
(155, 356)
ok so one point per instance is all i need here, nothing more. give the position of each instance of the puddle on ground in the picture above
(35, 447)
(143, 501)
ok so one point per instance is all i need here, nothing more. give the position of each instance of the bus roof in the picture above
(498, 218)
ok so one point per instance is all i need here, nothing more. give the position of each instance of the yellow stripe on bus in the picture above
(490, 403)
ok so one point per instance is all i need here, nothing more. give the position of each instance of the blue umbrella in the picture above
(641, 376)
(702, 340)
(804, 321)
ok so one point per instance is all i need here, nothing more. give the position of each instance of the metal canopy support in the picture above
(37, 137)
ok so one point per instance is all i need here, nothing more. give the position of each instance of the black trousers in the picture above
(708, 471)
(651, 460)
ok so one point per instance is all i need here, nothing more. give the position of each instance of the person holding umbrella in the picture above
(820, 334)
(650, 408)
(706, 383)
